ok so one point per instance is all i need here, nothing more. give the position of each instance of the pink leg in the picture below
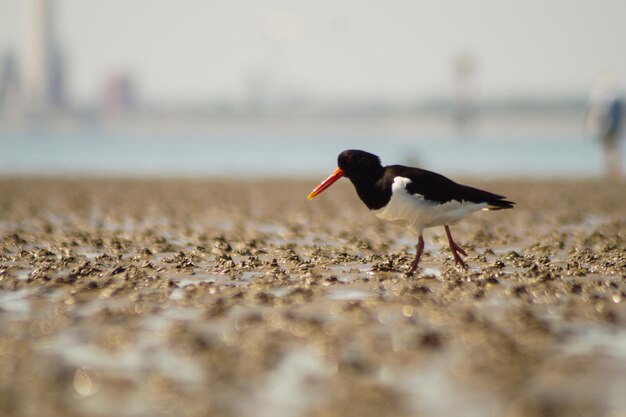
(418, 255)
(456, 249)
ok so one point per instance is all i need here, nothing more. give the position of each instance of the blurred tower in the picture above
(43, 69)
(9, 84)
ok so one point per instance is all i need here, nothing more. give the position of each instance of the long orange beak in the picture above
(338, 173)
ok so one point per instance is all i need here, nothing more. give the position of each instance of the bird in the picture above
(412, 198)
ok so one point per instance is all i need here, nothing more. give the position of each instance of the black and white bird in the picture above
(412, 198)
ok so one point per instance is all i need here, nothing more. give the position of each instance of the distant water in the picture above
(281, 155)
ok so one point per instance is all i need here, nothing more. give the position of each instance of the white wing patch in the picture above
(416, 213)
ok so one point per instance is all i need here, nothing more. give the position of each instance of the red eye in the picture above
(349, 160)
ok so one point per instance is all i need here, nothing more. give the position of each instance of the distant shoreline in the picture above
(503, 121)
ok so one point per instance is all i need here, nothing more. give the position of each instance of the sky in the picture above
(202, 50)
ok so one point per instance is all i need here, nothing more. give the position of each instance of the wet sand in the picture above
(207, 298)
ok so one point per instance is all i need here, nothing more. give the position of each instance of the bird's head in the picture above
(357, 164)
(353, 164)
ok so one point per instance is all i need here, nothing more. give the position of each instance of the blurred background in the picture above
(276, 88)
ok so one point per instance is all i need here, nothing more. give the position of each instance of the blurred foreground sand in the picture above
(200, 298)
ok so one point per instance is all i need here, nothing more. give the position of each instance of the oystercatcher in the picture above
(412, 198)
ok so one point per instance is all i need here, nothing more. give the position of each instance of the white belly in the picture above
(413, 212)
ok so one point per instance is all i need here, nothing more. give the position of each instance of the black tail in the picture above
(475, 195)
(499, 204)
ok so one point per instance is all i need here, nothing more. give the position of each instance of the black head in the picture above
(357, 164)
(360, 167)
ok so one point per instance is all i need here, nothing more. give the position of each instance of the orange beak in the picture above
(338, 173)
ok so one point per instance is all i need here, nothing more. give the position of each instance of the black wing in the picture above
(436, 187)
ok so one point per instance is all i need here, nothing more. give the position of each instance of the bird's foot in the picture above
(412, 270)
(459, 260)
(419, 249)
(456, 248)
(415, 263)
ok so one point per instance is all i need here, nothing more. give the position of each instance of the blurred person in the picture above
(605, 122)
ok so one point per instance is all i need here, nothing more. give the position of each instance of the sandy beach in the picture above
(240, 298)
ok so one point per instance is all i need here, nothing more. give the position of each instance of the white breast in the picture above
(415, 213)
